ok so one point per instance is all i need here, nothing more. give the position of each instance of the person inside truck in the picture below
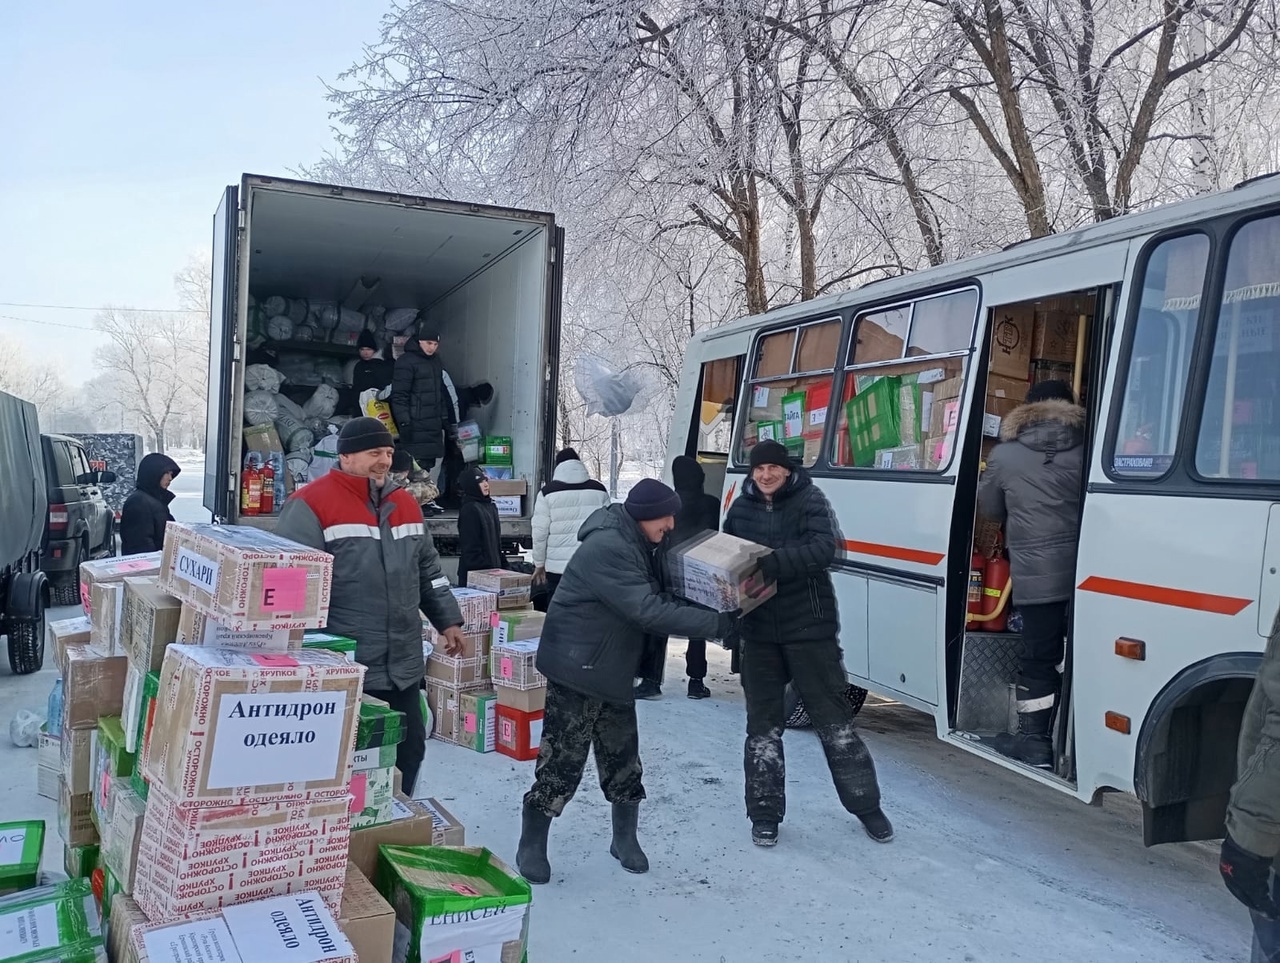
(370, 372)
(479, 528)
(423, 401)
(146, 512)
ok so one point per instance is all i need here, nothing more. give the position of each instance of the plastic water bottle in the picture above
(53, 723)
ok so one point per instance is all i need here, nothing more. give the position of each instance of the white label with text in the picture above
(195, 568)
(276, 737)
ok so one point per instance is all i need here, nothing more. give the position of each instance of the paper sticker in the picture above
(270, 738)
(84, 598)
(208, 941)
(400, 811)
(284, 589)
(469, 722)
(462, 889)
(506, 667)
(266, 640)
(535, 733)
(34, 928)
(288, 929)
(12, 843)
(359, 791)
(462, 937)
(275, 661)
(104, 790)
(494, 620)
(760, 397)
(199, 571)
(817, 416)
(508, 731)
(134, 566)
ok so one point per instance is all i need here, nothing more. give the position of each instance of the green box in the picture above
(80, 860)
(377, 757)
(873, 416)
(378, 726)
(770, 431)
(793, 413)
(21, 845)
(150, 690)
(427, 883)
(374, 791)
(66, 916)
(110, 889)
(497, 450)
(319, 639)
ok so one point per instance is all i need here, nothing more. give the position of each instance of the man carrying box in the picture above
(385, 568)
(590, 650)
(794, 637)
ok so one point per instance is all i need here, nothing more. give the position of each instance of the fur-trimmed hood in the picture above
(1052, 425)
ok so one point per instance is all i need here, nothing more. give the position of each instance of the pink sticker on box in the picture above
(494, 620)
(105, 790)
(506, 667)
(134, 566)
(462, 889)
(359, 791)
(275, 661)
(84, 598)
(284, 589)
(469, 722)
(508, 731)
(453, 956)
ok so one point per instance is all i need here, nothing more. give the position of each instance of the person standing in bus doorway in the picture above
(1032, 485)
(423, 402)
(699, 513)
(1253, 814)
(794, 637)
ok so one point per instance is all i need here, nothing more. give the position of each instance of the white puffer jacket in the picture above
(559, 511)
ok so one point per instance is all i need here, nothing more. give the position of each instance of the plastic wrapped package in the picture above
(324, 457)
(304, 332)
(260, 407)
(341, 319)
(308, 369)
(377, 314)
(297, 310)
(401, 320)
(322, 403)
(275, 305)
(280, 328)
(319, 426)
(262, 377)
(298, 463)
(293, 431)
(330, 371)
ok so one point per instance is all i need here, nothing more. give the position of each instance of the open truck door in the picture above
(218, 484)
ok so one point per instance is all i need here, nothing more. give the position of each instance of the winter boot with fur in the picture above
(877, 825)
(625, 847)
(1031, 744)
(531, 856)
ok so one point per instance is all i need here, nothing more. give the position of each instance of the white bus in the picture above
(1168, 324)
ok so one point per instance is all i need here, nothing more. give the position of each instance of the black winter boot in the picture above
(698, 689)
(531, 856)
(648, 689)
(764, 832)
(877, 825)
(1031, 745)
(625, 847)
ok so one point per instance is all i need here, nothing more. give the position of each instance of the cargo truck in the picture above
(489, 277)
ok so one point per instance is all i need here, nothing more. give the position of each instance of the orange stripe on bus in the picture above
(894, 552)
(1161, 595)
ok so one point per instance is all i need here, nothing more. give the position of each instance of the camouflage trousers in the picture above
(817, 671)
(572, 725)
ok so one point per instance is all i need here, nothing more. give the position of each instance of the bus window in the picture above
(717, 395)
(790, 389)
(1164, 336)
(1240, 431)
(900, 404)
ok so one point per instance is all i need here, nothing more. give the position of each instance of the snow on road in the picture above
(987, 866)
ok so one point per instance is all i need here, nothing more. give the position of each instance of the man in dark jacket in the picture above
(1253, 817)
(370, 372)
(699, 513)
(423, 402)
(145, 513)
(793, 637)
(1032, 484)
(590, 650)
(479, 528)
(385, 568)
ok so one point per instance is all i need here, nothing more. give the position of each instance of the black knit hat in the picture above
(402, 460)
(1051, 391)
(687, 474)
(566, 454)
(771, 453)
(428, 331)
(367, 340)
(651, 499)
(361, 434)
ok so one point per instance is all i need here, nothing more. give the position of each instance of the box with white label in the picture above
(297, 928)
(246, 578)
(56, 922)
(113, 570)
(196, 628)
(232, 726)
(514, 665)
(193, 858)
(372, 793)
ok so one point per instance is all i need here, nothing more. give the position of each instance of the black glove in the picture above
(1248, 877)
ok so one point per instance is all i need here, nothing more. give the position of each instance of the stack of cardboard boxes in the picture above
(521, 689)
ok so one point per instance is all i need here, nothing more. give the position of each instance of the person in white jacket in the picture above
(561, 507)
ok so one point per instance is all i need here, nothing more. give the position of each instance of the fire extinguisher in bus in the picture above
(250, 488)
(977, 563)
(268, 505)
(995, 579)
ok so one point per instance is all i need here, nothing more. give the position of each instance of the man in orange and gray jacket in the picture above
(1253, 816)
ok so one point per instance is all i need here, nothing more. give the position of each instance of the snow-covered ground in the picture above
(987, 866)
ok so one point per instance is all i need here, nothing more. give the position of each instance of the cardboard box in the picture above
(80, 860)
(112, 762)
(514, 665)
(1011, 331)
(318, 639)
(458, 672)
(479, 711)
(873, 417)
(235, 727)
(443, 701)
(75, 817)
(49, 750)
(92, 686)
(193, 858)
(378, 724)
(477, 609)
(122, 834)
(151, 619)
(47, 779)
(414, 822)
(247, 578)
(475, 644)
(721, 572)
(63, 917)
(261, 438)
(526, 700)
(507, 487)
(509, 506)
(998, 386)
(1056, 333)
(519, 733)
(131, 712)
(76, 748)
(113, 570)
(107, 618)
(196, 628)
(517, 625)
(21, 847)
(65, 634)
(904, 457)
(456, 903)
(372, 793)
(366, 918)
(146, 721)
(511, 588)
(497, 450)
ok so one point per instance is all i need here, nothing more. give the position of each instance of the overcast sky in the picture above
(124, 121)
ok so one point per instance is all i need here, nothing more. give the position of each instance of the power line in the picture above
(55, 324)
(81, 307)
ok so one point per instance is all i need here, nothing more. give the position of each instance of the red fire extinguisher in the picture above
(268, 489)
(250, 489)
(995, 577)
(977, 563)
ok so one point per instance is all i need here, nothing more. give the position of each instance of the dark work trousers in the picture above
(1266, 933)
(410, 752)
(1044, 631)
(542, 601)
(653, 659)
(695, 659)
(817, 670)
(573, 724)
